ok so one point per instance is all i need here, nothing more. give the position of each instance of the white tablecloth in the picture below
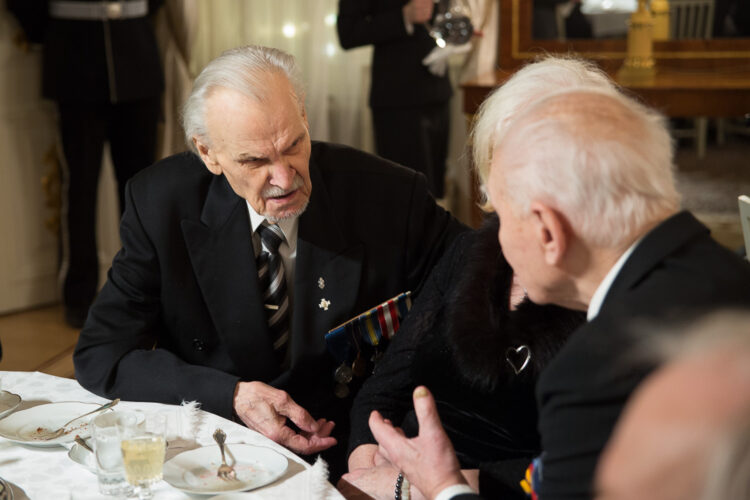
(41, 473)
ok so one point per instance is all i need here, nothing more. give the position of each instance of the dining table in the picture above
(48, 472)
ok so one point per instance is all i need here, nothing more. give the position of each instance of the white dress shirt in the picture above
(601, 291)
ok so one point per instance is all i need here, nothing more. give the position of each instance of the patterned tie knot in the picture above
(271, 236)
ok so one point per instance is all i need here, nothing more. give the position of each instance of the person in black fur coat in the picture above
(465, 341)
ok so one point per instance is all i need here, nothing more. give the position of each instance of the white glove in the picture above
(437, 60)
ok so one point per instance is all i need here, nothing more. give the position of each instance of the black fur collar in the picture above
(481, 328)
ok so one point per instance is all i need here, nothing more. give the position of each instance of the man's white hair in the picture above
(601, 159)
(526, 86)
(242, 69)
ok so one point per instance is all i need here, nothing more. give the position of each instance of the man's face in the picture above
(263, 148)
(516, 238)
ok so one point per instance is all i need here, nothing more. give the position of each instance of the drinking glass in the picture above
(108, 457)
(143, 448)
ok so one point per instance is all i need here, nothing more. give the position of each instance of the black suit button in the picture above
(198, 344)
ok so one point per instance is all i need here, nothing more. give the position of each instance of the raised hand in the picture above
(428, 460)
(419, 11)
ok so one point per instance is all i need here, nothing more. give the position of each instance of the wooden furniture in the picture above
(517, 45)
(721, 92)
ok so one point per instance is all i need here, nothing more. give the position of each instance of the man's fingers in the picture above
(387, 437)
(307, 446)
(427, 414)
(297, 414)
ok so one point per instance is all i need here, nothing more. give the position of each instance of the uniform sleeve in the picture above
(359, 23)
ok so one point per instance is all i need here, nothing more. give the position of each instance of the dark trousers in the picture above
(416, 138)
(130, 129)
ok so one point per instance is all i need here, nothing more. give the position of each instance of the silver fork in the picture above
(225, 472)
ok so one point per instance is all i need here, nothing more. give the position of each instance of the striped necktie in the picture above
(273, 287)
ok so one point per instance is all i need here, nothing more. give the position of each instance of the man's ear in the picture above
(207, 156)
(550, 227)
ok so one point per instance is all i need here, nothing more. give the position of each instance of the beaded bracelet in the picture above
(402, 488)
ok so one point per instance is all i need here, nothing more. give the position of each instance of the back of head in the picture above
(601, 159)
(245, 70)
(527, 85)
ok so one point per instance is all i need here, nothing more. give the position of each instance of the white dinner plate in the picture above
(194, 471)
(8, 402)
(25, 426)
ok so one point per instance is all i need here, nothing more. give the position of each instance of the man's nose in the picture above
(282, 175)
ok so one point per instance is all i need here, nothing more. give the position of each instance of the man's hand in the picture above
(265, 409)
(418, 11)
(428, 460)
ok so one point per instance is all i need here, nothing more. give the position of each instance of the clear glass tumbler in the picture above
(108, 457)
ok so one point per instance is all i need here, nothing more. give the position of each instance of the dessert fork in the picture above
(225, 472)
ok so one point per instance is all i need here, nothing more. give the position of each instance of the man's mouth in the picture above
(281, 198)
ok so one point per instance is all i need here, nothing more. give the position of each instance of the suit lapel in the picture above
(327, 274)
(221, 252)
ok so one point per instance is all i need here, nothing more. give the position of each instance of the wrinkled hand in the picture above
(265, 409)
(419, 11)
(428, 460)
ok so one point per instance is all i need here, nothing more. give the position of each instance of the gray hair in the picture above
(243, 69)
(530, 83)
(603, 160)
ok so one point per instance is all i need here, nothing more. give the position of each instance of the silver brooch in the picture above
(324, 304)
(518, 357)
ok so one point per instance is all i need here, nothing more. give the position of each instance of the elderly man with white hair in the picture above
(589, 219)
(239, 256)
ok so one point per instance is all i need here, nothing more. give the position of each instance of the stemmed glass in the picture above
(143, 448)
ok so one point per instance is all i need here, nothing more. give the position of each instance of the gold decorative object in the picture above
(52, 185)
(639, 61)
(660, 11)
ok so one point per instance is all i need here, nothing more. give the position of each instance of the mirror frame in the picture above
(516, 45)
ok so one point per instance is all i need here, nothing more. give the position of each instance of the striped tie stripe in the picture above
(273, 286)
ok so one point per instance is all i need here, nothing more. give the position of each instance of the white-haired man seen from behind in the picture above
(589, 219)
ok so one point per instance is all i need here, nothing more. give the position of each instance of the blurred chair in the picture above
(737, 126)
(744, 202)
(692, 19)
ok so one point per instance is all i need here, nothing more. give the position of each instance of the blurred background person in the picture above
(685, 433)
(410, 104)
(100, 64)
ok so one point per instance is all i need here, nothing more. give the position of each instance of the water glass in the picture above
(143, 447)
(108, 457)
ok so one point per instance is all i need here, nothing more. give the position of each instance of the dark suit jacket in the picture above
(399, 79)
(676, 272)
(180, 316)
(93, 60)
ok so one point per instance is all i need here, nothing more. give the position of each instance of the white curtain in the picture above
(336, 79)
